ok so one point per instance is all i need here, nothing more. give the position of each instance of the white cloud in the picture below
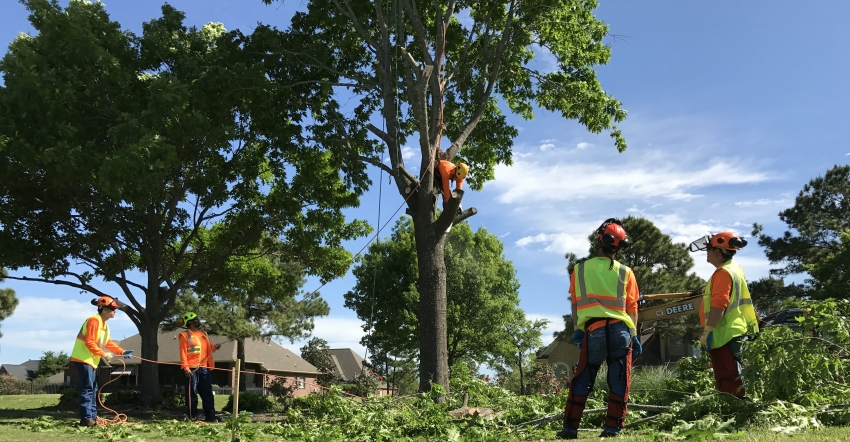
(556, 323)
(408, 152)
(547, 146)
(554, 180)
(51, 324)
(761, 202)
(584, 145)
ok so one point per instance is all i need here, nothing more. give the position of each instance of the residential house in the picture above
(22, 372)
(348, 366)
(264, 362)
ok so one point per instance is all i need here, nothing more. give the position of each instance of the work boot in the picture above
(88, 423)
(564, 434)
(608, 434)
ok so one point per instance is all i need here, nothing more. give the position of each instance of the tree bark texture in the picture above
(148, 371)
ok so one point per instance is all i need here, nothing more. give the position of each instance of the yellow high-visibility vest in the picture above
(739, 316)
(601, 292)
(81, 352)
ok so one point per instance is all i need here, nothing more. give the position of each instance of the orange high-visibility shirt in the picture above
(196, 351)
(92, 332)
(446, 169)
(632, 296)
(721, 292)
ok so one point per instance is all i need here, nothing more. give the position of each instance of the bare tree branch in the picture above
(485, 97)
(377, 163)
(357, 25)
(419, 28)
(465, 214)
(449, 211)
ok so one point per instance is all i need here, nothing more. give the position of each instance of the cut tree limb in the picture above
(449, 212)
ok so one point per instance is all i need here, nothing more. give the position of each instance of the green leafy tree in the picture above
(8, 300)
(435, 70)
(660, 266)
(316, 352)
(482, 291)
(516, 356)
(166, 155)
(816, 221)
(255, 297)
(50, 363)
(770, 294)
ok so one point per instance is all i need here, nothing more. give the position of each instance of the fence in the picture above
(12, 386)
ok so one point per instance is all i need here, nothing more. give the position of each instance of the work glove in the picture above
(578, 337)
(127, 354)
(637, 349)
(705, 339)
(108, 356)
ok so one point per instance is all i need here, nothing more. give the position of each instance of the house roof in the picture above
(19, 371)
(270, 355)
(348, 363)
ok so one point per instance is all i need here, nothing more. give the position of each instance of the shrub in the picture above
(69, 399)
(173, 399)
(250, 401)
(282, 392)
(122, 397)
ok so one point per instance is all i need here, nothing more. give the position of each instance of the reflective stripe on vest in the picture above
(601, 292)
(81, 352)
(739, 316)
(192, 347)
(593, 299)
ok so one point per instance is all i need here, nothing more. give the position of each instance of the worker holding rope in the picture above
(93, 343)
(197, 363)
(604, 295)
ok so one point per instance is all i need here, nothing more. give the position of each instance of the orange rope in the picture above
(120, 418)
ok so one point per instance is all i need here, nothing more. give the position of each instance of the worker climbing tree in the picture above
(432, 80)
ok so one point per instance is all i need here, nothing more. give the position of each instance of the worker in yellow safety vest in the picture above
(604, 295)
(727, 314)
(92, 344)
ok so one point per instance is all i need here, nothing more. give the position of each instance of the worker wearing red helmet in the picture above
(727, 314)
(604, 296)
(93, 343)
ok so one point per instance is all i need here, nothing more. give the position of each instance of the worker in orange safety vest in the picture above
(93, 343)
(197, 363)
(446, 171)
(604, 295)
(727, 315)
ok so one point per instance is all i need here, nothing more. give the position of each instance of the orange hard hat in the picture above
(106, 301)
(723, 240)
(612, 233)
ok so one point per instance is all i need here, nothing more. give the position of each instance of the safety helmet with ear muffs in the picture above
(108, 301)
(612, 234)
(188, 316)
(723, 240)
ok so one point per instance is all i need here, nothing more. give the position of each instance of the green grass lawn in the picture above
(22, 418)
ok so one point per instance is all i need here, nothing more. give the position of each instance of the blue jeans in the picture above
(201, 382)
(88, 391)
(613, 347)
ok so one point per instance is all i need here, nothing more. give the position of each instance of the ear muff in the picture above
(737, 242)
(605, 233)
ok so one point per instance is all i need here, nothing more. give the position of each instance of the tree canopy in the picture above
(8, 300)
(817, 237)
(482, 292)
(164, 154)
(50, 363)
(316, 352)
(449, 69)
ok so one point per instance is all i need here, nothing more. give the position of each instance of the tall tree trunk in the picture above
(149, 372)
(521, 377)
(240, 355)
(433, 338)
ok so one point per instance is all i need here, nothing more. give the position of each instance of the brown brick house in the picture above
(268, 360)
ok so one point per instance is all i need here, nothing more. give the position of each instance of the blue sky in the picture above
(733, 107)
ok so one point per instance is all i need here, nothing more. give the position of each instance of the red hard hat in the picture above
(612, 233)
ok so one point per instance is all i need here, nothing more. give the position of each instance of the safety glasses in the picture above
(700, 244)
